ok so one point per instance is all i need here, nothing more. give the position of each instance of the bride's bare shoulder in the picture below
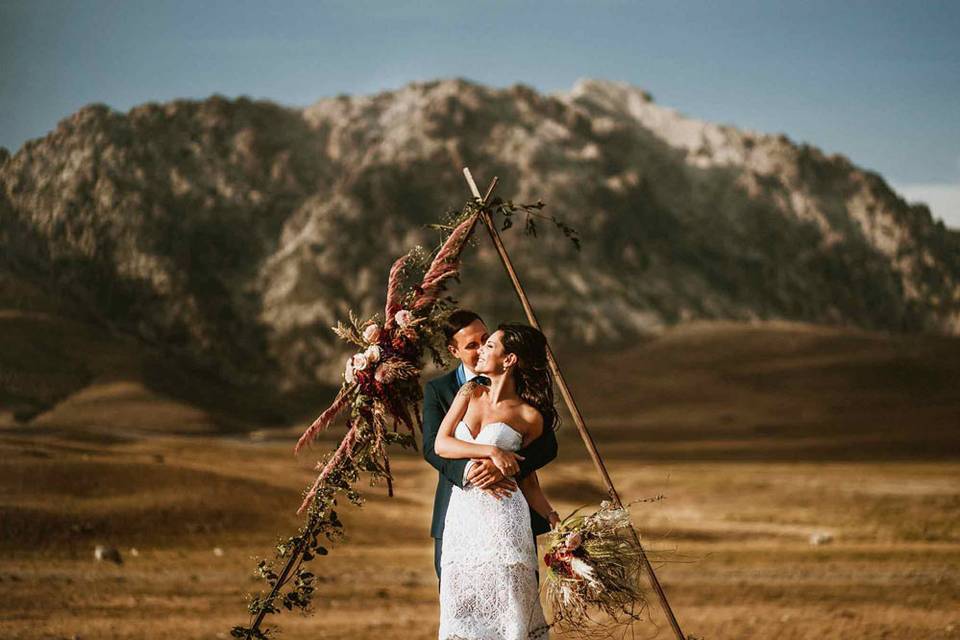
(532, 419)
(472, 389)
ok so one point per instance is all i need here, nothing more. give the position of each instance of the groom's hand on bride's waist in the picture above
(485, 475)
(502, 488)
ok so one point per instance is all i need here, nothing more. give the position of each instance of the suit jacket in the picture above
(437, 397)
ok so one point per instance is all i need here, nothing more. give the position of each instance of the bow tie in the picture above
(484, 380)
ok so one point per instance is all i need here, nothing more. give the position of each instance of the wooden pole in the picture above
(565, 392)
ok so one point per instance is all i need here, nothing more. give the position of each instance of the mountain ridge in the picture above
(235, 232)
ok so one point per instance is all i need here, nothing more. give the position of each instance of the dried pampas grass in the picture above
(594, 570)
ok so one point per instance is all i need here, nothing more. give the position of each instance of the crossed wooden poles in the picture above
(567, 398)
(565, 391)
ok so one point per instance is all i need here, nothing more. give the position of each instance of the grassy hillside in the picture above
(774, 391)
(757, 437)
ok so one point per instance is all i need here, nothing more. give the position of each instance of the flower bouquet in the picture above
(594, 566)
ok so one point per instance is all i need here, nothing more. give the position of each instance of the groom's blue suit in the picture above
(437, 397)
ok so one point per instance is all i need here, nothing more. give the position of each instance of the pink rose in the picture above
(359, 362)
(372, 354)
(348, 372)
(403, 318)
(371, 332)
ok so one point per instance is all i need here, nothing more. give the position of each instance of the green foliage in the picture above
(507, 210)
(533, 211)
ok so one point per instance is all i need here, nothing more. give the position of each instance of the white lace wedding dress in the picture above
(488, 588)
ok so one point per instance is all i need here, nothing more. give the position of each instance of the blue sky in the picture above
(877, 81)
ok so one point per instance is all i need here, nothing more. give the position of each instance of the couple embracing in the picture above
(488, 425)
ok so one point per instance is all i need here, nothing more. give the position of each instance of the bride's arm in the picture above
(530, 486)
(446, 445)
(530, 483)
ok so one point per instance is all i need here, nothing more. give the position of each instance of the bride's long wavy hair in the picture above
(532, 375)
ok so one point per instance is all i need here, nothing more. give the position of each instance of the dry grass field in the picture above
(758, 437)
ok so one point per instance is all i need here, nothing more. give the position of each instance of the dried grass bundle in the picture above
(344, 451)
(395, 369)
(446, 264)
(594, 572)
(349, 332)
(343, 398)
(394, 289)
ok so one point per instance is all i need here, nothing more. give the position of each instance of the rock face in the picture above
(235, 232)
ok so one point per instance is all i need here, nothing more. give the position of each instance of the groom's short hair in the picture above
(458, 320)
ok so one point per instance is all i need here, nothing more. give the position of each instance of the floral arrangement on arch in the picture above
(381, 381)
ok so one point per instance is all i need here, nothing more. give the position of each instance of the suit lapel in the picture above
(448, 387)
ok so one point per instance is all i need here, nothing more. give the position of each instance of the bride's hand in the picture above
(506, 461)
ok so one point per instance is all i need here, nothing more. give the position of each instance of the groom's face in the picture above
(465, 345)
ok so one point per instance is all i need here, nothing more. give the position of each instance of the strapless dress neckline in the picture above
(464, 423)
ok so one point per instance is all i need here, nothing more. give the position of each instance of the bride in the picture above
(488, 589)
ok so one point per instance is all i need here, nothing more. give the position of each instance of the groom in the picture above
(465, 332)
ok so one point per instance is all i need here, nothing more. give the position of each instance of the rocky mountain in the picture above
(234, 233)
